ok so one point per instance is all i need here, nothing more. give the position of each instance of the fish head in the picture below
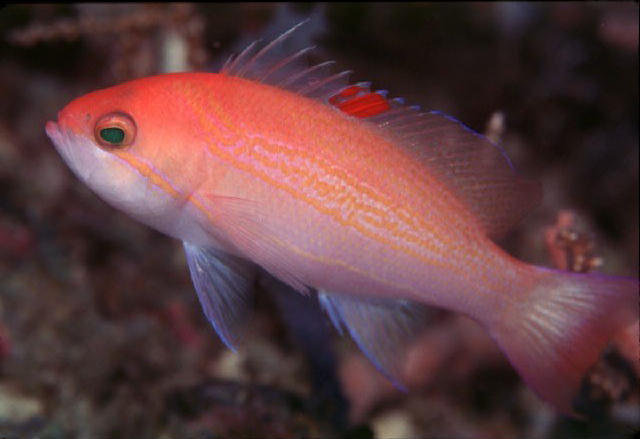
(126, 144)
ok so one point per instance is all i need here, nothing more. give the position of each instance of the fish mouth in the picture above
(60, 140)
(63, 144)
(53, 131)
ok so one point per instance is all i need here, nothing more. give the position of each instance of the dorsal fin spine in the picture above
(293, 79)
(231, 69)
(284, 62)
(322, 83)
(269, 47)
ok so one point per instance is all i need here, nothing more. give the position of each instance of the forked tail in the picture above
(557, 332)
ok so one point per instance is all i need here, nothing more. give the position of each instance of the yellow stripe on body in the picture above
(146, 171)
(159, 181)
(361, 215)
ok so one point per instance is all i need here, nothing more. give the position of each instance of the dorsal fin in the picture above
(476, 170)
(273, 65)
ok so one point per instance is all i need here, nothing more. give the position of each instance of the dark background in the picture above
(101, 334)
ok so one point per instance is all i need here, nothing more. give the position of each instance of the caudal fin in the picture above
(559, 329)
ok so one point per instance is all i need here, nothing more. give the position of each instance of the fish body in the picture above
(314, 181)
(336, 189)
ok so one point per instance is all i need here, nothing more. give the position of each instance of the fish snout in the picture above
(53, 130)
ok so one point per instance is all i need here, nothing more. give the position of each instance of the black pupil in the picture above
(112, 135)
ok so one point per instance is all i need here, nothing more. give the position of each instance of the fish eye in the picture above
(115, 130)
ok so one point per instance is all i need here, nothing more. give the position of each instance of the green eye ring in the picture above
(115, 130)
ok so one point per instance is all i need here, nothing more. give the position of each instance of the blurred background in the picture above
(101, 334)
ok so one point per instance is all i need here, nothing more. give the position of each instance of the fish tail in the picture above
(559, 329)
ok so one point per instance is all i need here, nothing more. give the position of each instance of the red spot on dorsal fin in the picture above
(347, 93)
(358, 101)
(368, 105)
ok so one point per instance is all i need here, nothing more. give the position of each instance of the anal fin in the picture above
(382, 328)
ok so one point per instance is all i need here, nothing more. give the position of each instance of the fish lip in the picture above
(60, 138)
(53, 130)
(58, 135)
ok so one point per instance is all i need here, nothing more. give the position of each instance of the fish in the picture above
(374, 207)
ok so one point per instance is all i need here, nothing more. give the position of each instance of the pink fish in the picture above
(376, 206)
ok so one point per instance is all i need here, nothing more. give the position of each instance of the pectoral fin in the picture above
(223, 283)
(382, 328)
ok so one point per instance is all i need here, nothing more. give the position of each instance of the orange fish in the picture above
(375, 206)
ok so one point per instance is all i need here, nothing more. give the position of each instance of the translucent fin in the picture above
(254, 60)
(478, 171)
(277, 72)
(382, 328)
(303, 77)
(560, 328)
(223, 283)
(272, 65)
(236, 65)
(319, 89)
